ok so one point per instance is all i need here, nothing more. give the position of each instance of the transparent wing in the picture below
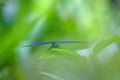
(70, 42)
(38, 44)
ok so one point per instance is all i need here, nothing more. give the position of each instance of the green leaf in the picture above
(57, 52)
(17, 35)
(104, 43)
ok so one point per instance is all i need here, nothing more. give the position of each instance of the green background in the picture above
(23, 22)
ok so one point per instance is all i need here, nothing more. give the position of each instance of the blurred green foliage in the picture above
(24, 22)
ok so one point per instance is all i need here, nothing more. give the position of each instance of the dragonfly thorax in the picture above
(55, 44)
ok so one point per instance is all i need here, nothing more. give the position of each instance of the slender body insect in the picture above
(54, 44)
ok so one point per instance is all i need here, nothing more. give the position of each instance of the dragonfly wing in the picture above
(38, 44)
(70, 42)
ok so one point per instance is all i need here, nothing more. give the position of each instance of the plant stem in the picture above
(91, 69)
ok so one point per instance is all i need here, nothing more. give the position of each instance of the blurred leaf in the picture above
(57, 52)
(54, 77)
(7, 54)
(104, 43)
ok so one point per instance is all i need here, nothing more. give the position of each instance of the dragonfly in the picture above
(54, 44)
